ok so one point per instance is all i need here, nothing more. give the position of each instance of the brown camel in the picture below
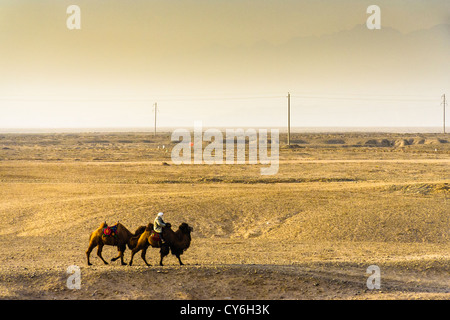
(177, 242)
(121, 238)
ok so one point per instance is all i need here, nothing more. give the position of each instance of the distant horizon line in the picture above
(162, 129)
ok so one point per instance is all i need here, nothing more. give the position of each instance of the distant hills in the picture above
(357, 56)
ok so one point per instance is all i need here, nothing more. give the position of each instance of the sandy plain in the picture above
(339, 203)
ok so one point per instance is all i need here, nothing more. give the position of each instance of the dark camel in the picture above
(177, 242)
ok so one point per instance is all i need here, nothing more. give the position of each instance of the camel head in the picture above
(185, 228)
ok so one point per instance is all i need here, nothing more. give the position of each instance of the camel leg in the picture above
(138, 248)
(144, 251)
(99, 252)
(141, 245)
(163, 252)
(133, 252)
(121, 249)
(179, 259)
(114, 259)
(89, 250)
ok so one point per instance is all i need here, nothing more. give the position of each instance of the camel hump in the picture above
(103, 225)
(140, 230)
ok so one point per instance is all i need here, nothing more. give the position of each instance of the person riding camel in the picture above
(158, 224)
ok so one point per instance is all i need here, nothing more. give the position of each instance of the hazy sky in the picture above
(227, 63)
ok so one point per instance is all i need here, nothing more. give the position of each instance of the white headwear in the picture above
(160, 214)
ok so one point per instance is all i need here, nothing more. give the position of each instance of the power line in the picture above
(364, 99)
(349, 96)
(137, 100)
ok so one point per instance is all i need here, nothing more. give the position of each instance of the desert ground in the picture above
(340, 203)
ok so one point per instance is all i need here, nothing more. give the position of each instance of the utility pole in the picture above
(156, 109)
(289, 119)
(444, 103)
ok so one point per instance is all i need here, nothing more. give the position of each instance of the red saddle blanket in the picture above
(155, 236)
(110, 231)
